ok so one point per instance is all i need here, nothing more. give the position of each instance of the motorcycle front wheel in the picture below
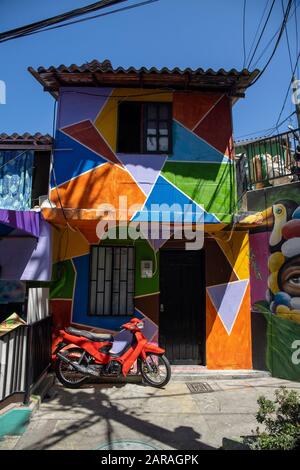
(156, 370)
(65, 373)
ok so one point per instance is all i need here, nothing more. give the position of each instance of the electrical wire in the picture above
(274, 36)
(261, 34)
(244, 32)
(257, 30)
(297, 36)
(287, 40)
(17, 32)
(265, 130)
(282, 28)
(118, 10)
(288, 89)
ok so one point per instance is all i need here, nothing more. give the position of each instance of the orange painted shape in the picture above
(102, 185)
(232, 351)
(216, 127)
(68, 243)
(190, 108)
(86, 133)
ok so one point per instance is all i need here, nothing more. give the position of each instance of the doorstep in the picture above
(190, 373)
(15, 417)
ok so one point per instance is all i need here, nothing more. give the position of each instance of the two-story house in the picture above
(145, 146)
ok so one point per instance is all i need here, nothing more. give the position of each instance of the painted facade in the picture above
(275, 275)
(88, 171)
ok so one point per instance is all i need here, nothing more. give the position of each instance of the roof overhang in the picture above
(97, 74)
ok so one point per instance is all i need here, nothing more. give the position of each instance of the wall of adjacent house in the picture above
(89, 171)
(16, 170)
(275, 278)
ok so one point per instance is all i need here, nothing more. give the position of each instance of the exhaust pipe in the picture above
(78, 367)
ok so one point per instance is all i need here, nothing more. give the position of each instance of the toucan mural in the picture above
(275, 259)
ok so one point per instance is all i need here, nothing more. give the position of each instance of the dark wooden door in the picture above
(182, 306)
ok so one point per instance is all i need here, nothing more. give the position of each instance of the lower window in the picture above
(112, 280)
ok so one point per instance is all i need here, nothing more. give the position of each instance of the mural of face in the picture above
(289, 277)
(283, 292)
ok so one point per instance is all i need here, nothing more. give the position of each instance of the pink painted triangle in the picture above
(86, 133)
(227, 299)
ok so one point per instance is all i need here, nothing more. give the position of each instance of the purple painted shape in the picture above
(80, 103)
(118, 346)
(259, 273)
(26, 221)
(153, 233)
(145, 169)
(227, 299)
(27, 259)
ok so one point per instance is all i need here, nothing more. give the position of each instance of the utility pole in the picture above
(296, 98)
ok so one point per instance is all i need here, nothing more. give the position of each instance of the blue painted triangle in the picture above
(168, 203)
(71, 159)
(187, 146)
(227, 299)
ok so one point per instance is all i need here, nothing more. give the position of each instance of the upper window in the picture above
(145, 128)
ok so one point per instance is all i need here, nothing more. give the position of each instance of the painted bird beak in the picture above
(263, 218)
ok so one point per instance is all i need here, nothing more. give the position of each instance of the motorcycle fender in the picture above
(149, 347)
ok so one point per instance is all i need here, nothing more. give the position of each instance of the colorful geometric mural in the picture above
(89, 171)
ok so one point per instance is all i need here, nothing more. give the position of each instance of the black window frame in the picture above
(112, 312)
(144, 121)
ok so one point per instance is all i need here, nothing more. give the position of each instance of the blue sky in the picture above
(184, 33)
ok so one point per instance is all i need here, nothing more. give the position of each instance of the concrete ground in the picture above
(172, 418)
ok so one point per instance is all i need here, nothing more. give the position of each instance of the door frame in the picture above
(202, 296)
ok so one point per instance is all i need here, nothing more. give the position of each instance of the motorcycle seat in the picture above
(89, 335)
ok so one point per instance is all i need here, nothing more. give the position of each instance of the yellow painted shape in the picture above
(107, 121)
(68, 243)
(273, 282)
(235, 246)
(295, 317)
(282, 309)
(275, 261)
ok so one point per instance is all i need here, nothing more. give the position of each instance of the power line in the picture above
(244, 32)
(262, 33)
(273, 37)
(257, 29)
(266, 130)
(283, 25)
(129, 7)
(297, 38)
(38, 25)
(288, 89)
(287, 40)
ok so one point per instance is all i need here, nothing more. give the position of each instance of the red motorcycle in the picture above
(99, 355)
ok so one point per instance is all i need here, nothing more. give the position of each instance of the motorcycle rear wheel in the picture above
(65, 373)
(156, 370)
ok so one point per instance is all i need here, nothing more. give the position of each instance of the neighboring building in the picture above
(274, 223)
(25, 264)
(154, 137)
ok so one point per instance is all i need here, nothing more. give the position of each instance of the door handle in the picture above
(162, 308)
